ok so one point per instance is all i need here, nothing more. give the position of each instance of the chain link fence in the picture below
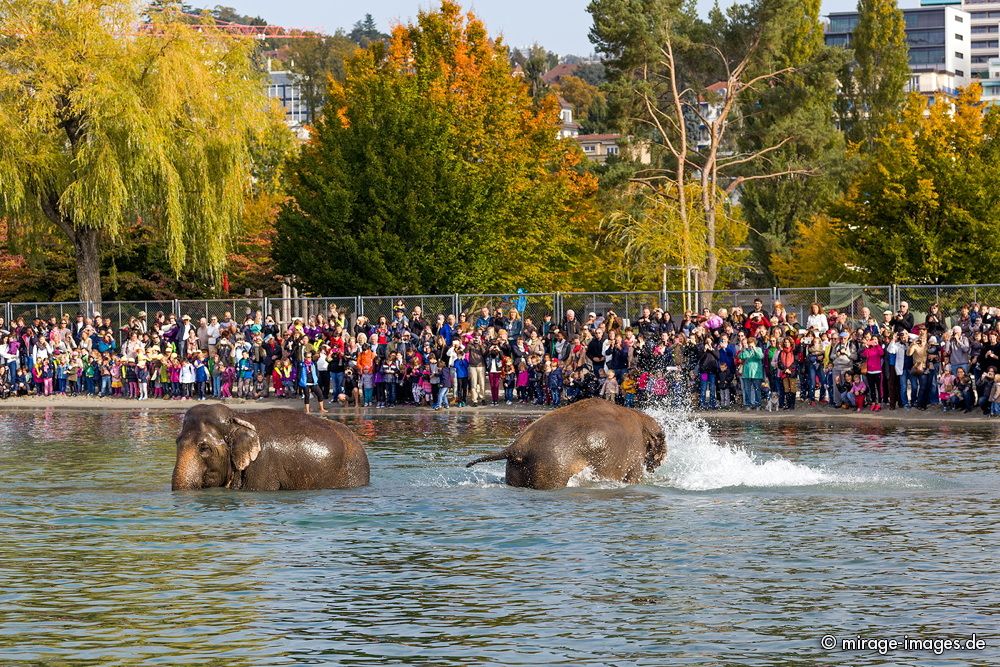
(845, 298)
(627, 305)
(848, 299)
(950, 299)
(238, 309)
(46, 310)
(431, 305)
(730, 298)
(535, 306)
(285, 310)
(121, 314)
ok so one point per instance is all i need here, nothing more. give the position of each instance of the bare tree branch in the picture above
(743, 158)
(740, 180)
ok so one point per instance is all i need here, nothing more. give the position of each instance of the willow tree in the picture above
(108, 117)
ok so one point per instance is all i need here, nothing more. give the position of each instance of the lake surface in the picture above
(749, 544)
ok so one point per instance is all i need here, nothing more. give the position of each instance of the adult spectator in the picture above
(903, 321)
(477, 369)
(571, 326)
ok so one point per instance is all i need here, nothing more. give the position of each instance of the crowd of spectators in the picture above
(734, 358)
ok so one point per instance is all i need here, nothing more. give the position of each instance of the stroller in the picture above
(6, 386)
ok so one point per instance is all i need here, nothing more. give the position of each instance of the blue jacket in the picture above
(555, 379)
(308, 376)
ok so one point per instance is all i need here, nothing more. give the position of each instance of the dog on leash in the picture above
(772, 402)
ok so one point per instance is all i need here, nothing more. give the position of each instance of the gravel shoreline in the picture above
(803, 414)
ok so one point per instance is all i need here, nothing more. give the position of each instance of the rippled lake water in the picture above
(749, 544)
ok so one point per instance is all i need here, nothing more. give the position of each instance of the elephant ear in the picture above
(244, 445)
(656, 444)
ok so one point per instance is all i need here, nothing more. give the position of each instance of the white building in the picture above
(283, 86)
(939, 38)
(991, 83)
(568, 129)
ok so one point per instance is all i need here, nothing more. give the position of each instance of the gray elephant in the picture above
(266, 451)
(616, 443)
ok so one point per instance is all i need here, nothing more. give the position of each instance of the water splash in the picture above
(589, 479)
(696, 462)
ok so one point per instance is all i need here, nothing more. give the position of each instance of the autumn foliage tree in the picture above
(433, 170)
(104, 125)
(922, 208)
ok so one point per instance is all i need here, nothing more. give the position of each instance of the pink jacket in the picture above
(873, 358)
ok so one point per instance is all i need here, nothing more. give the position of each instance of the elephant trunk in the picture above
(187, 471)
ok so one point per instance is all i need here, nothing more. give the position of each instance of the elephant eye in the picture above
(204, 449)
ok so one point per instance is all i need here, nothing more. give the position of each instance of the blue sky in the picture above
(560, 25)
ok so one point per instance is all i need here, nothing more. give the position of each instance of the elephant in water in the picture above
(266, 451)
(616, 443)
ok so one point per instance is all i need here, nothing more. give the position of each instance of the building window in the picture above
(932, 56)
(959, 19)
(924, 19)
(612, 150)
(959, 37)
(843, 23)
(924, 37)
(979, 60)
(958, 54)
(959, 72)
(985, 29)
(588, 148)
(986, 44)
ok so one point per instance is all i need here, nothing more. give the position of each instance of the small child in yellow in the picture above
(629, 389)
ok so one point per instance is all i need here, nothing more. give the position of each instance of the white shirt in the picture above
(900, 351)
(818, 322)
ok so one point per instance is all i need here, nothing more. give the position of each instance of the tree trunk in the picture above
(88, 266)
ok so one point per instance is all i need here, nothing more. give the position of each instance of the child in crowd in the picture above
(260, 388)
(555, 383)
(858, 389)
(117, 373)
(73, 377)
(368, 386)
(609, 388)
(228, 380)
(244, 371)
(187, 379)
(629, 387)
(132, 379)
(726, 381)
(200, 375)
(509, 382)
(142, 378)
(522, 382)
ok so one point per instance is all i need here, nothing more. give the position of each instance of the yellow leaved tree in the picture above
(108, 117)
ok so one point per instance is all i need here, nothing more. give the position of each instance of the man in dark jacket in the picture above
(571, 326)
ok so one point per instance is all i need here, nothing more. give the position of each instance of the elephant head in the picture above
(655, 442)
(214, 448)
